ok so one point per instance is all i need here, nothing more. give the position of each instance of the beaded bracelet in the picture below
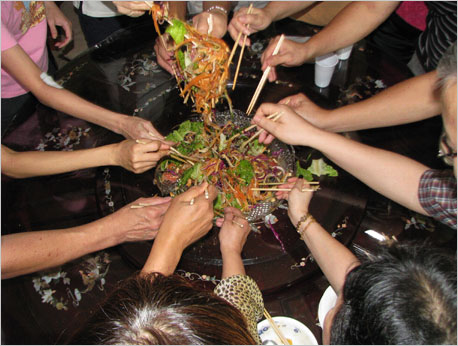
(303, 219)
(217, 8)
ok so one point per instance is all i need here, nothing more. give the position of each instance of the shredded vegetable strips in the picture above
(218, 160)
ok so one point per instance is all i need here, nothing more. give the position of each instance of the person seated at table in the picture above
(407, 182)
(359, 19)
(159, 307)
(24, 65)
(403, 293)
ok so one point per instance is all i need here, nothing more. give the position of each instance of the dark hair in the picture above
(158, 309)
(404, 294)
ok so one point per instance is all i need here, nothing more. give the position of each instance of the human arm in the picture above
(232, 237)
(18, 64)
(412, 100)
(333, 258)
(183, 224)
(28, 252)
(395, 176)
(261, 18)
(135, 157)
(55, 17)
(351, 24)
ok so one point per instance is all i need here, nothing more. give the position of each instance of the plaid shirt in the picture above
(437, 195)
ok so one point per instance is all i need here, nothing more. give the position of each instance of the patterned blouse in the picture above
(243, 292)
(437, 195)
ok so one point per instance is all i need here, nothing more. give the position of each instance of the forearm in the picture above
(277, 10)
(350, 25)
(232, 264)
(68, 102)
(37, 163)
(409, 101)
(333, 258)
(24, 253)
(395, 176)
(164, 256)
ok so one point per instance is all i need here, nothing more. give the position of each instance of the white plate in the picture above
(292, 329)
(327, 302)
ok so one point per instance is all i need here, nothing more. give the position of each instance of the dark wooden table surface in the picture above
(121, 74)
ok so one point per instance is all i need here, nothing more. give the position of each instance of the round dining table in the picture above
(121, 74)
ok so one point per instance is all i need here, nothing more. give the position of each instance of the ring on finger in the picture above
(191, 202)
(206, 194)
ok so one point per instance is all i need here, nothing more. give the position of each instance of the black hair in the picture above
(404, 294)
(155, 309)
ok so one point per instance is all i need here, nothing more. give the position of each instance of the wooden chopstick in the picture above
(273, 115)
(280, 189)
(176, 152)
(309, 182)
(275, 328)
(241, 51)
(259, 132)
(264, 77)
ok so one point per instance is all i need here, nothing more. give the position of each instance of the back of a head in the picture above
(158, 310)
(404, 294)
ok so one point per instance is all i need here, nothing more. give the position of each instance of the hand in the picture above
(132, 8)
(232, 237)
(202, 24)
(308, 110)
(298, 201)
(258, 20)
(55, 17)
(289, 128)
(290, 54)
(165, 55)
(133, 127)
(185, 223)
(139, 157)
(128, 224)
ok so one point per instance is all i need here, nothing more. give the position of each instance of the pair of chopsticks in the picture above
(267, 188)
(264, 77)
(141, 205)
(275, 328)
(241, 51)
(273, 117)
(175, 153)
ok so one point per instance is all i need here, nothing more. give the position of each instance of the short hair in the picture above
(155, 309)
(446, 68)
(404, 294)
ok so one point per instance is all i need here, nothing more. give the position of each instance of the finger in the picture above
(195, 191)
(298, 185)
(144, 169)
(53, 30)
(219, 221)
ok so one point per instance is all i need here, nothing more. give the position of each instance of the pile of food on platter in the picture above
(214, 153)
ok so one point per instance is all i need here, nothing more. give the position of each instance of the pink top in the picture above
(414, 13)
(23, 23)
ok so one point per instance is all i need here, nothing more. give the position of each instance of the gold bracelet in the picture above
(303, 219)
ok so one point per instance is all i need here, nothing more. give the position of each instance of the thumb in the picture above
(298, 184)
(275, 60)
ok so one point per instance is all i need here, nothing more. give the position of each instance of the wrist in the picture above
(215, 9)
(229, 251)
(303, 224)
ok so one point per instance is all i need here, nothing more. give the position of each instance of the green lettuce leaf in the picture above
(319, 167)
(245, 171)
(302, 172)
(177, 30)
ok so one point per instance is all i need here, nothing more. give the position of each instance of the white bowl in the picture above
(327, 302)
(293, 330)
